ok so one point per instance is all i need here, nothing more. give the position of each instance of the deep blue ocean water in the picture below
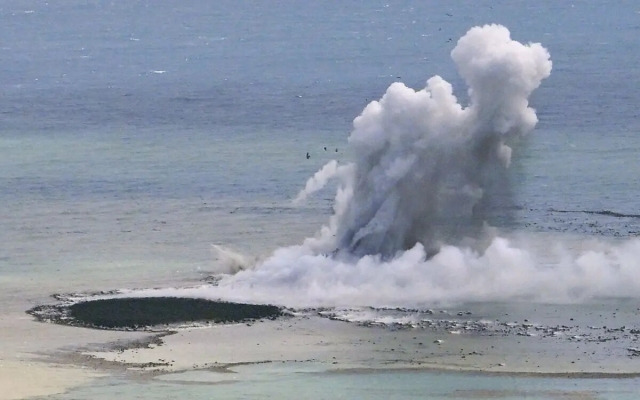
(118, 114)
(133, 135)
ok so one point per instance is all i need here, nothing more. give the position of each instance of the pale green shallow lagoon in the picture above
(286, 381)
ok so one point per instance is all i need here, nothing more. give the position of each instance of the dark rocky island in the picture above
(145, 312)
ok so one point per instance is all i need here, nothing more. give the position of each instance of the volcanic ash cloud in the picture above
(425, 166)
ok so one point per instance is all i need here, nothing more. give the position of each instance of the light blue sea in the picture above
(136, 134)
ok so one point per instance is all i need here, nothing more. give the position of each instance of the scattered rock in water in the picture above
(144, 312)
(633, 351)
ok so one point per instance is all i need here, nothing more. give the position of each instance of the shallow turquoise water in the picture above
(274, 382)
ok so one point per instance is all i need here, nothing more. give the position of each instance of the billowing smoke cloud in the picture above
(425, 168)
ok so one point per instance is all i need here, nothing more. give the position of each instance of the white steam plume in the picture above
(424, 163)
(229, 261)
(546, 272)
(425, 168)
(320, 179)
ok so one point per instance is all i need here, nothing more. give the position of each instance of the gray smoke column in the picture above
(425, 165)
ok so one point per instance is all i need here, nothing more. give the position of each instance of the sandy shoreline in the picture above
(26, 366)
(29, 350)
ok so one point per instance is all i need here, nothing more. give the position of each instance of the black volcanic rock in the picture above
(135, 313)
